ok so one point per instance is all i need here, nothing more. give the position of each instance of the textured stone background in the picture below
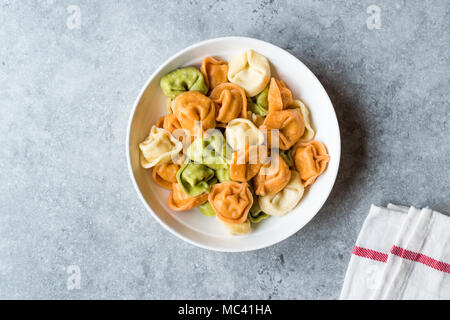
(65, 96)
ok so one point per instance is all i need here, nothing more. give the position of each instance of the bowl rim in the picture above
(130, 168)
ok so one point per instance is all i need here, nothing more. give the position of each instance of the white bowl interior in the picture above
(207, 232)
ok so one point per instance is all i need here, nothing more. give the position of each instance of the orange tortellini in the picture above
(279, 96)
(231, 201)
(215, 71)
(169, 122)
(272, 177)
(165, 174)
(260, 169)
(290, 126)
(180, 201)
(247, 162)
(311, 160)
(230, 101)
(193, 107)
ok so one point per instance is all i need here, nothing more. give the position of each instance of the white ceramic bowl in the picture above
(207, 232)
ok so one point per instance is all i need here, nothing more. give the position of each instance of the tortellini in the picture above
(260, 103)
(231, 201)
(210, 151)
(309, 131)
(249, 70)
(223, 174)
(256, 215)
(311, 160)
(242, 132)
(256, 119)
(192, 108)
(206, 209)
(237, 228)
(165, 174)
(180, 201)
(290, 127)
(215, 71)
(247, 162)
(195, 179)
(182, 80)
(169, 122)
(230, 100)
(272, 177)
(279, 96)
(287, 157)
(169, 102)
(159, 147)
(285, 200)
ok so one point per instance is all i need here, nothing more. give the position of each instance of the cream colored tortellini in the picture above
(169, 103)
(240, 132)
(309, 131)
(159, 147)
(250, 70)
(284, 201)
(236, 229)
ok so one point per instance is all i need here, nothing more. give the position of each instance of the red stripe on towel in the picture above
(370, 254)
(421, 258)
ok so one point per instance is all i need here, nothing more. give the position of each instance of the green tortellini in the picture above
(256, 215)
(195, 179)
(206, 209)
(259, 104)
(287, 157)
(210, 151)
(223, 174)
(182, 80)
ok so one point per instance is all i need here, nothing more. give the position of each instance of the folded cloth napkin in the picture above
(400, 253)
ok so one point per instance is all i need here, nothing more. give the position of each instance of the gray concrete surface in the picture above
(65, 97)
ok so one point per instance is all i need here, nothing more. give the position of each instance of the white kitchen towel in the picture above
(400, 253)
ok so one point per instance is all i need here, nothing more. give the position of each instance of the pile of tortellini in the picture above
(234, 144)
